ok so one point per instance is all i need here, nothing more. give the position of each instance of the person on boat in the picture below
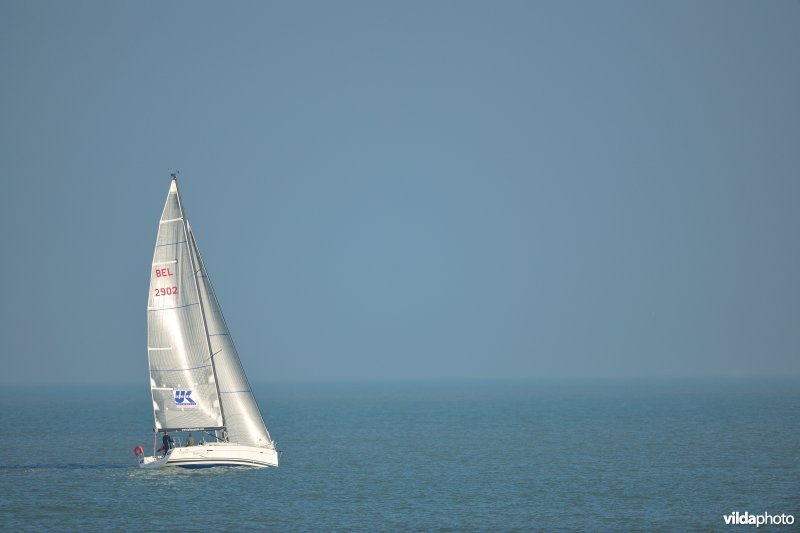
(190, 440)
(168, 443)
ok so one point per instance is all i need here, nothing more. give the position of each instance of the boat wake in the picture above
(65, 466)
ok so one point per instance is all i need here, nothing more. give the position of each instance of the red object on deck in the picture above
(138, 451)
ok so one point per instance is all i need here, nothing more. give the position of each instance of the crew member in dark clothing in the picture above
(168, 443)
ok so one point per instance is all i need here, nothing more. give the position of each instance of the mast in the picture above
(199, 298)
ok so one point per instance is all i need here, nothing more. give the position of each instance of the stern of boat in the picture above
(153, 462)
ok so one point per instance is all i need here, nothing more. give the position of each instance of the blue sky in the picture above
(391, 190)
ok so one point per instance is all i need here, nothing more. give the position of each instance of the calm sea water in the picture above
(418, 456)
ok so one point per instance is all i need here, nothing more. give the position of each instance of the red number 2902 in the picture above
(163, 291)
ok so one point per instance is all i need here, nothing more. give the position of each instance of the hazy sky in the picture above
(435, 189)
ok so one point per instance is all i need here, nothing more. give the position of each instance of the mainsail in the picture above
(196, 377)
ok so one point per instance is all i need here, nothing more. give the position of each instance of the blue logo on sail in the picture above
(183, 398)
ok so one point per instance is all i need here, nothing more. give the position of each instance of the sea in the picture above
(559, 455)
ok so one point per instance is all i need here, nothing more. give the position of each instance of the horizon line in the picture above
(441, 379)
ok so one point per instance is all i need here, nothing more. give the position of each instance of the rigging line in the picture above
(209, 358)
(212, 435)
(167, 308)
(170, 243)
(178, 369)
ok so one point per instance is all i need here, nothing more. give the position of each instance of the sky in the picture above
(408, 190)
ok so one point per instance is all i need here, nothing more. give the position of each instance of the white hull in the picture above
(214, 454)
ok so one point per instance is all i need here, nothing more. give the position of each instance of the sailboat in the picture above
(197, 381)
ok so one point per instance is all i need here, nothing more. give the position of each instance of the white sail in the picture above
(196, 377)
(243, 421)
(182, 380)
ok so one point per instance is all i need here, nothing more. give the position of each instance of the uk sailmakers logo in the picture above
(183, 399)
